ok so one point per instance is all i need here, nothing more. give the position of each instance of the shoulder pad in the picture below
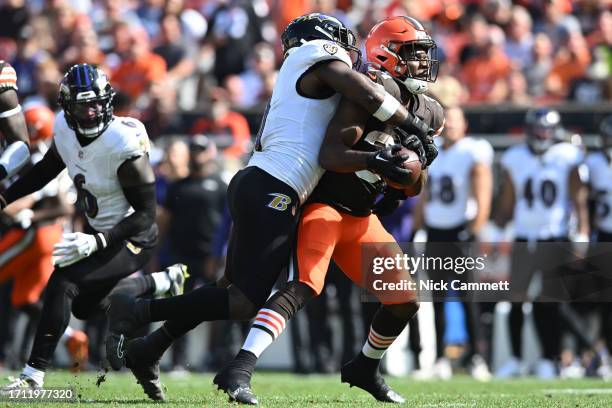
(133, 140)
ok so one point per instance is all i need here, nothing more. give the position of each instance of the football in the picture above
(413, 164)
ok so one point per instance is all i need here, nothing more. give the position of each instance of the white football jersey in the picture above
(541, 188)
(294, 125)
(600, 180)
(93, 168)
(450, 202)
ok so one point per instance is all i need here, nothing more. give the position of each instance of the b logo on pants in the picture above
(280, 202)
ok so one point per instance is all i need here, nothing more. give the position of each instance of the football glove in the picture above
(412, 142)
(413, 125)
(74, 247)
(386, 163)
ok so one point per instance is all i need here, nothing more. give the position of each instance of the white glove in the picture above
(74, 247)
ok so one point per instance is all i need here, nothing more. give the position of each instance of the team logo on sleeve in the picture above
(280, 202)
(330, 48)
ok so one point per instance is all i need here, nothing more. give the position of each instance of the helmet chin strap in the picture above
(415, 86)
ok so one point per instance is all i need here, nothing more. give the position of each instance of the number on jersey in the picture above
(547, 192)
(86, 201)
(446, 191)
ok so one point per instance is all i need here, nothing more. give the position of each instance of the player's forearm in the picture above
(579, 195)
(142, 199)
(43, 172)
(342, 159)
(505, 206)
(482, 188)
(373, 98)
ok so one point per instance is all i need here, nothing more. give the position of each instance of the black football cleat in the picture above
(145, 368)
(356, 375)
(126, 315)
(238, 390)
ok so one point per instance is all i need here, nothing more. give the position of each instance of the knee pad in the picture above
(290, 299)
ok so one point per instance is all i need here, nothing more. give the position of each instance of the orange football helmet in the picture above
(40, 120)
(401, 46)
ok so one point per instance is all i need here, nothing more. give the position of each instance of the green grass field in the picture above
(286, 390)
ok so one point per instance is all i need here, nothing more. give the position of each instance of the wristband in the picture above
(100, 240)
(387, 108)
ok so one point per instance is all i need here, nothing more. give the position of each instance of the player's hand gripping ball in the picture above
(413, 164)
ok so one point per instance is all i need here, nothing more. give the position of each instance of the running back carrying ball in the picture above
(412, 163)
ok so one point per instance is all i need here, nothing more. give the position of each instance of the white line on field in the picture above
(579, 391)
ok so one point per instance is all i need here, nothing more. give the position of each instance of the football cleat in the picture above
(145, 369)
(238, 391)
(178, 275)
(356, 375)
(77, 346)
(19, 383)
(126, 315)
(479, 369)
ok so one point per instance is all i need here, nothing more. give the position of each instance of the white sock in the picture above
(162, 282)
(67, 333)
(35, 374)
(266, 328)
(376, 345)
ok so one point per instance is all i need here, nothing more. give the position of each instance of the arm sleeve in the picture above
(142, 199)
(42, 173)
(138, 184)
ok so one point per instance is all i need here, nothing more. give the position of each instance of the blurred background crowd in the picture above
(198, 73)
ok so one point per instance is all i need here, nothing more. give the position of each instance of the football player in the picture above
(455, 207)
(540, 179)
(340, 217)
(600, 184)
(107, 159)
(265, 197)
(12, 124)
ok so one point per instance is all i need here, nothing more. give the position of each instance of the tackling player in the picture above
(265, 197)
(338, 220)
(107, 159)
(454, 209)
(12, 124)
(540, 180)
